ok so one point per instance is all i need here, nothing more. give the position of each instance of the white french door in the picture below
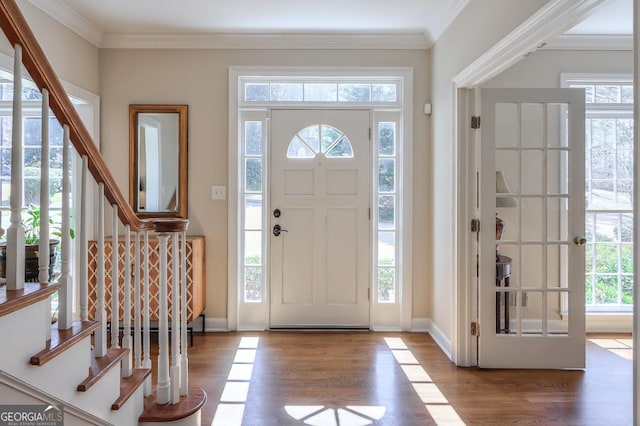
(320, 219)
(531, 294)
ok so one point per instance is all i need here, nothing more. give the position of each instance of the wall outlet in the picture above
(218, 192)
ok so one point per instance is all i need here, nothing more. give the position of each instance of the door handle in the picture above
(277, 230)
(580, 241)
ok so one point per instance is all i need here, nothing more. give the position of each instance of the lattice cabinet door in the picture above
(196, 279)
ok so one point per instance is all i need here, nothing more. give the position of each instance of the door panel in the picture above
(532, 272)
(320, 182)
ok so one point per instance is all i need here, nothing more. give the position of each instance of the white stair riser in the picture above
(98, 399)
(10, 396)
(23, 335)
(128, 415)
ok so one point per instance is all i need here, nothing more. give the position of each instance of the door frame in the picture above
(404, 108)
(551, 20)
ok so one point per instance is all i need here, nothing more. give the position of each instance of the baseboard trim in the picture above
(420, 325)
(215, 325)
(440, 338)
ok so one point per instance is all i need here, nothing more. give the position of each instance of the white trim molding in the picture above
(590, 42)
(215, 325)
(440, 338)
(67, 16)
(266, 41)
(551, 20)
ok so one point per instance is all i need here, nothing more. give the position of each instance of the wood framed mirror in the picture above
(158, 160)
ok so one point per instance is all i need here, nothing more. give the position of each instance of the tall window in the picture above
(608, 192)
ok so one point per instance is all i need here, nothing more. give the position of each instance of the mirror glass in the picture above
(158, 160)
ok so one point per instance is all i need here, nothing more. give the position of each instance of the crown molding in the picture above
(336, 41)
(590, 42)
(554, 18)
(67, 16)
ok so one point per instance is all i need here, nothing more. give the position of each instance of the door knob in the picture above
(277, 229)
(276, 213)
(580, 241)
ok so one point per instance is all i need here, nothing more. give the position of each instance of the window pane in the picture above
(624, 135)
(5, 154)
(255, 92)
(607, 94)
(603, 133)
(387, 175)
(386, 285)
(607, 289)
(384, 93)
(626, 94)
(253, 248)
(6, 134)
(320, 92)
(253, 212)
(291, 92)
(253, 137)
(627, 290)
(253, 182)
(387, 138)
(354, 92)
(342, 149)
(56, 134)
(311, 136)
(386, 211)
(253, 284)
(32, 132)
(329, 135)
(298, 149)
(5, 192)
(386, 248)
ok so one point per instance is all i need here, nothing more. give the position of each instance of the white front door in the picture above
(532, 185)
(320, 218)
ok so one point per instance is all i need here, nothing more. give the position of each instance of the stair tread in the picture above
(187, 406)
(128, 385)
(14, 300)
(61, 340)
(101, 366)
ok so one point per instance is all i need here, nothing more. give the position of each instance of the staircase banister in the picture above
(17, 31)
(169, 225)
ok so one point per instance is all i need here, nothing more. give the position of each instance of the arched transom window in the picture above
(320, 139)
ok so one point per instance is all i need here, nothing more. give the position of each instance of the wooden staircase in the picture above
(69, 362)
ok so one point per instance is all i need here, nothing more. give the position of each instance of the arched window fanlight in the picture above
(320, 139)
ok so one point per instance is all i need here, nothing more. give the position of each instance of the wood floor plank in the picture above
(339, 369)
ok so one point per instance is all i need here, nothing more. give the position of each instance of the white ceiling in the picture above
(614, 17)
(426, 19)
(289, 23)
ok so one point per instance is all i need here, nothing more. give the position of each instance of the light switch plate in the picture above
(218, 192)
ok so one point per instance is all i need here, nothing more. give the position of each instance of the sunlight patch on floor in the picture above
(435, 402)
(351, 415)
(230, 410)
(621, 347)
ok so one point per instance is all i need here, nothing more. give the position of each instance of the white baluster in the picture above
(101, 311)
(115, 278)
(146, 323)
(126, 336)
(83, 256)
(137, 300)
(164, 382)
(65, 296)
(15, 232)
(43, 249)
(175, 320)
(184, 368)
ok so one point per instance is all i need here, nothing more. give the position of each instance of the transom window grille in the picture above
(608, 192)
(320, 138)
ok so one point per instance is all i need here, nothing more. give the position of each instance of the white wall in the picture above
(199, 78)
(543, 68)
(478, 27)
(74, 59)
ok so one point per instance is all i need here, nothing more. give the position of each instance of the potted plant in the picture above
(31, 225)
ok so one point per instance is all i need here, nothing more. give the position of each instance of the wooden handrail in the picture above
(18, 32)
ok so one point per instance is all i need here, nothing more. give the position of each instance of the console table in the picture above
(196, 277)
(503, 275)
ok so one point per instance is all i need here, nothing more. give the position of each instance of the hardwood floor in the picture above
(315, 376)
